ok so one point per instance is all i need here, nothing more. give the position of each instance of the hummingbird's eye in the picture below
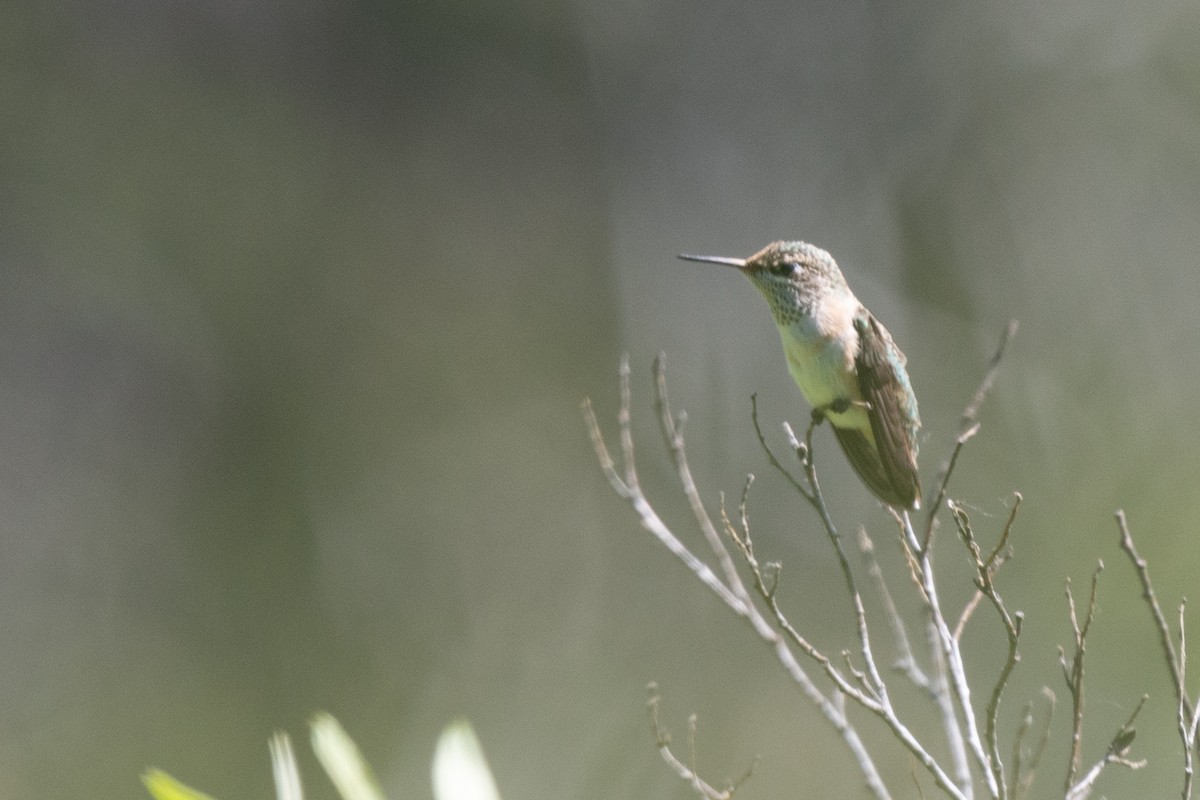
(783, 268)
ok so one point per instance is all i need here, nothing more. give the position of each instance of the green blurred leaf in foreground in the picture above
(163, 787)
(340, 757)
(283, 764)
(460, 771)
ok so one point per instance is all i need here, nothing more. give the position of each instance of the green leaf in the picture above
(342, 761)
(460, 771)
(163, 787)
(283, 765)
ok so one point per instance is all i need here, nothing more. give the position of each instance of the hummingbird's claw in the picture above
(839, 406)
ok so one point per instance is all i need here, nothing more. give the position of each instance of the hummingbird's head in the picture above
(792, 276)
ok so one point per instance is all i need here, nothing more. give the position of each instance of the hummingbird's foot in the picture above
(839, 406)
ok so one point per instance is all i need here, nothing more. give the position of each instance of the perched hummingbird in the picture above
(844, 361)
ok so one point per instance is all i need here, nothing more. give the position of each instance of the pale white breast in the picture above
(821, 352)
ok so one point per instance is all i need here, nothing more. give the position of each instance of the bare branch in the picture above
(1073, 672)
(947, 470)
(906, 662)
(630, 491)
(968, 427)
(972, 411)
(996, 561)
(1160, 622)
(1012, 516)
(775, 462)
(952, 670)
(1118, 749)
(1187, 715)
(626, 430)
(672, 431)
(766, 580)
(878, 687)
(687, 774)
(985, 569)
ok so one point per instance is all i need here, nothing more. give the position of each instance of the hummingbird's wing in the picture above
(890, 468)
(862, 456)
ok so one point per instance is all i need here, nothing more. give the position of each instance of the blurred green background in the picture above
(300, 300)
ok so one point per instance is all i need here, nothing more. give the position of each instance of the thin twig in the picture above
(629, 490)
(1160, 622)
(1073, 672)
(906, 662)
(946, 649)
(1117, 751)
(766, 581)
(1187, 716)
(775, 462)
(672, 430)
(662, 740)
(1187, 728)
(972, 411)
(877, 684)
(1012, 516)
(977, 598)
(947, 470)
(944, 698)
(995, 560)
(968, 427)
(985, 570)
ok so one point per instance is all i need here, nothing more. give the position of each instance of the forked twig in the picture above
(686, 772)
(1073, 672)
(1187, 714)
(629, 488)
(985, 571)
(906, 662)
(968, 427)
(1117, 753)
(993, 562)
(952, 672)
(1160, 621)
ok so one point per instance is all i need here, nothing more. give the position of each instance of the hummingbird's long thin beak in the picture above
(740, 263)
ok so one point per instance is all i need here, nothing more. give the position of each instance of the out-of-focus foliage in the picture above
(336, 751)
(163, 787)
(460, 770)
(343, 763)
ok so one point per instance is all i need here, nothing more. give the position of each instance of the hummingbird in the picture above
(844, 361)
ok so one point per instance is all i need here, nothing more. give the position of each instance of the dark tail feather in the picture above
(901, 491)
